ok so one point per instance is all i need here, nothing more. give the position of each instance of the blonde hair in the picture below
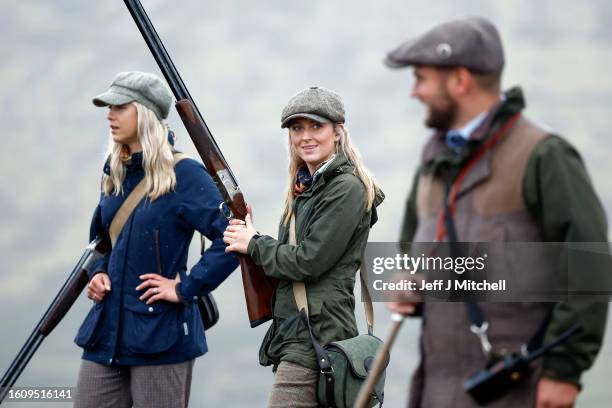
(157, 157)
(346, 147)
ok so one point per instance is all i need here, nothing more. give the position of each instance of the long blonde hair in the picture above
(345, 146)
(157, 158)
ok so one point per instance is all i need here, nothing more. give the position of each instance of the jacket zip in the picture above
(158, 253)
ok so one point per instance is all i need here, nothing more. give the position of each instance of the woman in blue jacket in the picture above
(144, 331)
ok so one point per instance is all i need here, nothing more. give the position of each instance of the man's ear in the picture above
(459, 82)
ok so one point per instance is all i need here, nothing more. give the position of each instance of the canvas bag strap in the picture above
(299, 289)
(126, 209)
(130, 204)
(299, 292)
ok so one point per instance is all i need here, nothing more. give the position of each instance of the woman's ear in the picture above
(338, 130)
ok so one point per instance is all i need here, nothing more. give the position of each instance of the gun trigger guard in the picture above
(225, 211)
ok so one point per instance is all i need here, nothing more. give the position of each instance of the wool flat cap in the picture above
(141, 87)
(316, 103)
(473, 43)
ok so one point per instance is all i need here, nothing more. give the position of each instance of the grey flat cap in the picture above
(473, 43)
(141, 87)
(316, 103)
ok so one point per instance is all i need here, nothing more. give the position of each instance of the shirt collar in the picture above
(459, 137)
(322, 167)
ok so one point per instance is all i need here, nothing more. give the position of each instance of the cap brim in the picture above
(402, 55)
(111, 98)
(393, 63)
(312, 116)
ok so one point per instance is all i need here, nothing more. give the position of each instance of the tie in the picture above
(454, 139)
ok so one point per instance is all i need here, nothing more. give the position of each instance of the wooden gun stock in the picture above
(258, 288)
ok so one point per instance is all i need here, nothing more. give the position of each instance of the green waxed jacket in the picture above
(332, 227)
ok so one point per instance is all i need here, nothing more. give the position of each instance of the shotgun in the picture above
(258, 288)
(67, 295)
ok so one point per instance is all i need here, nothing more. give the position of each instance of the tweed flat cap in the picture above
(473, 43)
(141, 87)
(316, 103)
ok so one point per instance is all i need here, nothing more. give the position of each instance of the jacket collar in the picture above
(338, 165)
(436, 152)
(513, 102)
(134, 164)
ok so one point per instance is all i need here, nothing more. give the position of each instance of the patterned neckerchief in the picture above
(304, 180)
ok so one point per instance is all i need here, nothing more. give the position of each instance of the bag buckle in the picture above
(481, 332)
(327, 371)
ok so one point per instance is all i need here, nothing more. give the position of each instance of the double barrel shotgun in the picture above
(258, 288)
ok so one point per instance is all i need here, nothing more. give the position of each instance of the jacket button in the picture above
(151, 309)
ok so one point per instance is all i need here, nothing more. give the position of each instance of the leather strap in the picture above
(323, 361)
(451, 198)
(130, 203)
(123, 213)
(479, 324)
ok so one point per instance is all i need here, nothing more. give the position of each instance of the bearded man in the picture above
(527, 184)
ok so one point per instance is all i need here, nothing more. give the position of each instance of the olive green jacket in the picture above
(332, 227)
(559, 196)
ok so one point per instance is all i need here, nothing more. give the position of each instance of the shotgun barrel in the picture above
(258, 288)
(63, 301)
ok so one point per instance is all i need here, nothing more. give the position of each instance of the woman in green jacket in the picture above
(332, 199)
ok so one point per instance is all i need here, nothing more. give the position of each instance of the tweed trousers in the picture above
(294, 387)
(154, 386)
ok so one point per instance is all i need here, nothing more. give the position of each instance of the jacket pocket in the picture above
(283, 333)
(149, 329)
(88, 332)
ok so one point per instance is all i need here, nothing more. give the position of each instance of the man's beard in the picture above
(443, 115)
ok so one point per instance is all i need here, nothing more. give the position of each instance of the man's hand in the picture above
(98, 286)
(405, 302)
(556, 394)
(404, 308)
